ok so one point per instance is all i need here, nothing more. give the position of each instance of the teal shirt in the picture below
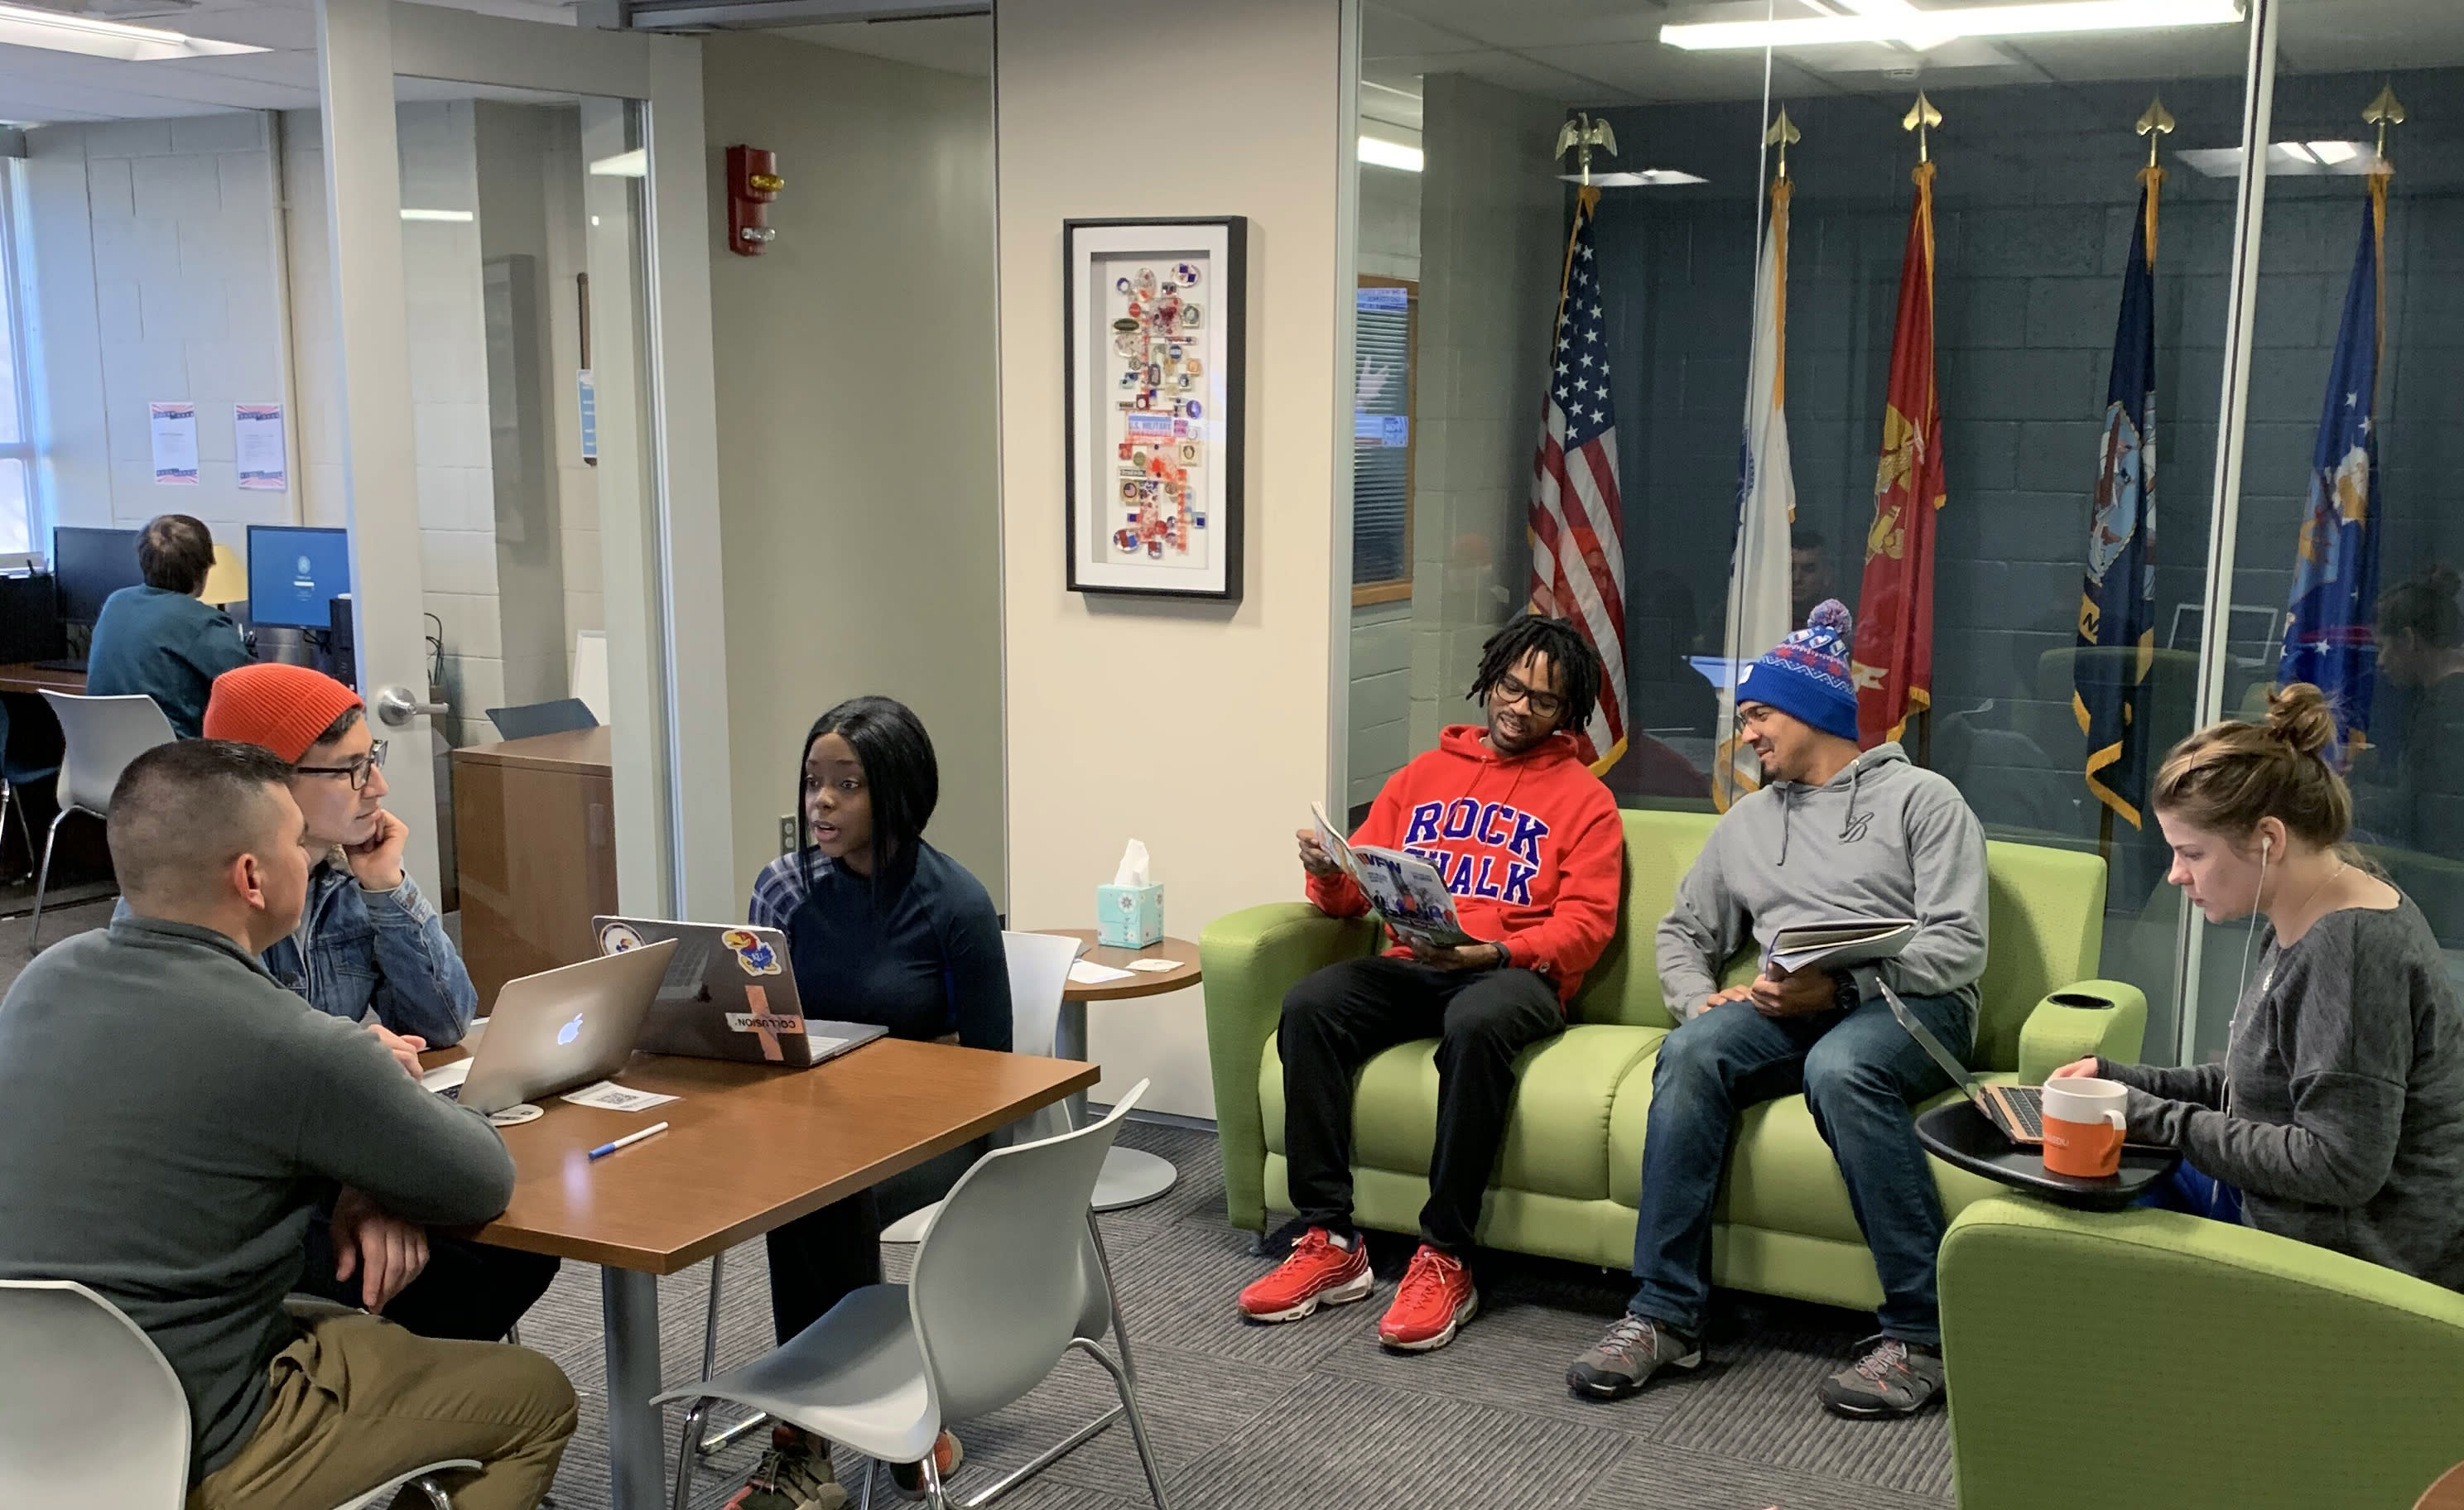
(166, 645)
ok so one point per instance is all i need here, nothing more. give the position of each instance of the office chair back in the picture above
(1002, 1279)
(90, 1412)
(562, 716)
(1039, 971)
(98, 736)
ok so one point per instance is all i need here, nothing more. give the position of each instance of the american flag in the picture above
(1578, 522)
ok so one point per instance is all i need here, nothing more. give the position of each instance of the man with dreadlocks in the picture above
(1530, 846)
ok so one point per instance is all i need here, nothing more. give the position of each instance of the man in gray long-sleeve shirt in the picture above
(174, 1118)
(1832, 836)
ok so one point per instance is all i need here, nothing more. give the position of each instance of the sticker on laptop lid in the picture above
(753, 955)
(615, 938)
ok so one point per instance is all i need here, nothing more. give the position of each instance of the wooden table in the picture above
(748, 1149)
(24, 676)
(1132, 1176)
(533, 853)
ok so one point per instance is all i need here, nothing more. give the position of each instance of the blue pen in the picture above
(605, 1148)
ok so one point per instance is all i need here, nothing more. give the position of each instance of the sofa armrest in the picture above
(1250, 958)
(2168, 1360)
(2056, 1032)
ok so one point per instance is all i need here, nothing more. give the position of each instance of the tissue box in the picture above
(1128, 917)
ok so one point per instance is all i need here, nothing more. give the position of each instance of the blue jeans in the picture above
(2194, 1193)
(1859, 1070)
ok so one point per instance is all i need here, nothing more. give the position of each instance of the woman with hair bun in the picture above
(2337, 1117)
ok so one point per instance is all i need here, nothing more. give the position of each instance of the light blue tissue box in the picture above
(1128, 917)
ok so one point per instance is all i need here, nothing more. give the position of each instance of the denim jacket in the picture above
(385, 950)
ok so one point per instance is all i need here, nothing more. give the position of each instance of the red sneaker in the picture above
(1318, 1273)
(1435, 1298)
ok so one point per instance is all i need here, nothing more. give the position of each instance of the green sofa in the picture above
(2147, 1358)
(1568, 1180)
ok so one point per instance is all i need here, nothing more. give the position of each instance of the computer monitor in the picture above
(89, 566)
(294, 574)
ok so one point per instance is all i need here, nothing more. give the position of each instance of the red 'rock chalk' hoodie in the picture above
(1530, 844)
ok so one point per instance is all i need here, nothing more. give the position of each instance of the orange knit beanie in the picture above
(279, 707)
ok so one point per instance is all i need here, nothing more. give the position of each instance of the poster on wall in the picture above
(1153, 313)
(257, 446)
(174, 429)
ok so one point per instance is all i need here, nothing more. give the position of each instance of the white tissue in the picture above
(1134, 866)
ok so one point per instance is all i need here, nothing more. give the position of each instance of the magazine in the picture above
(1839, 945)
(1405, 891)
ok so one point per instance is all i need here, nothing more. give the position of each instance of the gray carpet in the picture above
(1315, 1413)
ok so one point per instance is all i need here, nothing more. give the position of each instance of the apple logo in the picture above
(570, 1030)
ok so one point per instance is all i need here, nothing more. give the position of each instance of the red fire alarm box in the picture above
(752, 184)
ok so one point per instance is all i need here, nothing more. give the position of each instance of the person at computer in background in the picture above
(1831, 834)
(881, 928)
(2337, 1117)
(370, 947)
(160, 639)
(1533, 851)
(175, 1121)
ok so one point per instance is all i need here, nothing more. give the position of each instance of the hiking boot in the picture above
(1893, 1378)
(1434, 1300)
(793, 1475)
(1633, 1350)
(946, 1456)
(1320, 1272)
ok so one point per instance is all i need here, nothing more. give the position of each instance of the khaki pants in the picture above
(357, 1400)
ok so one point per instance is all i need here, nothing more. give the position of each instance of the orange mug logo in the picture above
(2082, 1149)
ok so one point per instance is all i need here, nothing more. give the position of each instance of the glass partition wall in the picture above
(2070, 616)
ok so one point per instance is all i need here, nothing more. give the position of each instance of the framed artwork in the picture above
(1153, 315)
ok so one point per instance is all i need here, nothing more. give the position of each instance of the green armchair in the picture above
(2148, 1358)
(1568, 1179)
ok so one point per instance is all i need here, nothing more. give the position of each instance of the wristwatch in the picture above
(1844, 994)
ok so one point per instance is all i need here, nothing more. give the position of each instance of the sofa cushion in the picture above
(1556, 1132)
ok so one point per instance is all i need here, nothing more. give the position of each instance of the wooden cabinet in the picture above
(535, 851)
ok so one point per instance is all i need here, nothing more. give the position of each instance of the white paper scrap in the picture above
(1086, 973)
(609, 1096)
(1155, 966)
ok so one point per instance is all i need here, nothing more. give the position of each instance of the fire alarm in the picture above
(753, 185)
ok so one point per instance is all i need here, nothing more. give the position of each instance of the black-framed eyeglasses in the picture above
(1509, 688)
(356, 771)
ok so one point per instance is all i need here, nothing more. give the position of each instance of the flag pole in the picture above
(1921, 117)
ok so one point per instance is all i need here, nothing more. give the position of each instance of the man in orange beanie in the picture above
(370, 947)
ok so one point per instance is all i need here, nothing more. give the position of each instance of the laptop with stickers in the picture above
(729, 993)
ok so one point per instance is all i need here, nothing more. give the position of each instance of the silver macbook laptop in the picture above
(555, 1030)
(2017, 1111)
(729, 993)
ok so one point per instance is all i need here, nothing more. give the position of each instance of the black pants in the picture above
(1335, 1019)
(816, 1261)
(470, 1291)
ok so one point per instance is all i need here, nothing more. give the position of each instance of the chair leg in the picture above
(934, 1493)
(42, 880)
(1138, 1421)
(871, 1469)
(720, 1441)
(433, 1493)
(688, 1452)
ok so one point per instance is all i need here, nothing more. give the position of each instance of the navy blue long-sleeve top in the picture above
(922, 956)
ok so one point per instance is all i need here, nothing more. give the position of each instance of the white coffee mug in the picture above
(2084, 1126)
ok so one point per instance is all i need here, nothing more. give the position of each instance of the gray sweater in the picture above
(2345, 1127)
(1881, 839)
(173, 1118)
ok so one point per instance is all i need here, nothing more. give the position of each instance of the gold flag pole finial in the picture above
(1582, 134)
(1919, 117)
(1782, 132)
(2386, 111)
(2158, 122)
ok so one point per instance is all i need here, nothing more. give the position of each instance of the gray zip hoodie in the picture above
(1881, 839)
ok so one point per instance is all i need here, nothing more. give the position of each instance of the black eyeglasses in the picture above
(356, 771)
(1543, 705)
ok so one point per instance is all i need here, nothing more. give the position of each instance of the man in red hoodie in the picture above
(1530, 843)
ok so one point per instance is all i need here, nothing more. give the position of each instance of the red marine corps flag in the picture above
(1893, 663)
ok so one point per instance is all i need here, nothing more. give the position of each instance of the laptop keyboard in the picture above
(2027, 1104)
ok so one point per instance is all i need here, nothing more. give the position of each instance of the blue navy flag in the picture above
(2117, 623)
(2328, 639)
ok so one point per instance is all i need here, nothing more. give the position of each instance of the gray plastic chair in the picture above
(1010, 1277)
(98, 736)
(92, 1414)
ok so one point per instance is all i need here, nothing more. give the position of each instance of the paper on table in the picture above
(609, 1096)
(1086, 973)
(1156, 966)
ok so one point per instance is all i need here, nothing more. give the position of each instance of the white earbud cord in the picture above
(2233, 1025)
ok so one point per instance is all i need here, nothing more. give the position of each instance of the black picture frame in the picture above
(1087, 405)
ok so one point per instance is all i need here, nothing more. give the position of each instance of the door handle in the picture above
(397, 706)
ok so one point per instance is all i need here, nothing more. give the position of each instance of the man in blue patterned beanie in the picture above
(1832, 836)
